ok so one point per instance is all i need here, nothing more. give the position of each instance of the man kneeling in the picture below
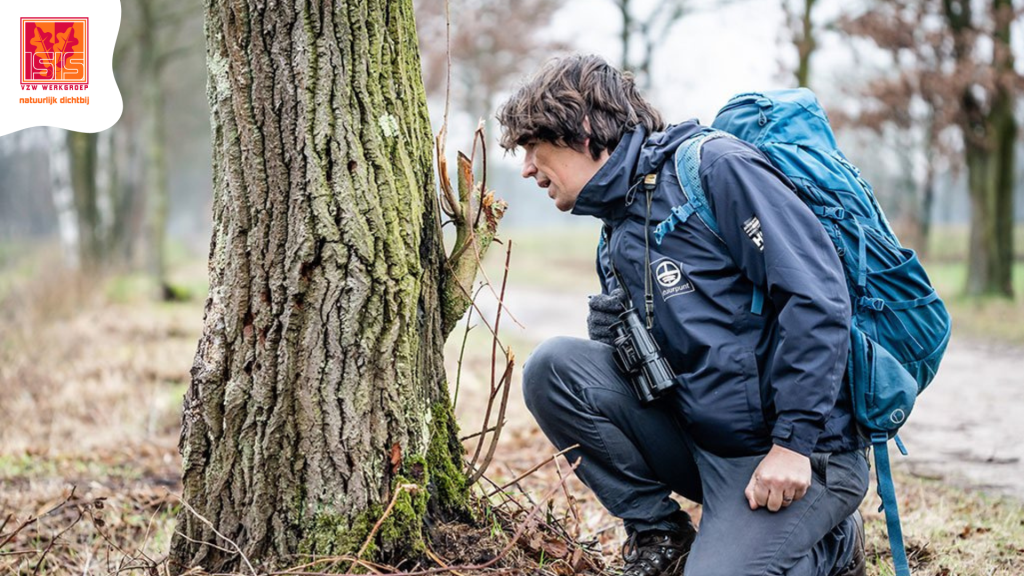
(758, 427)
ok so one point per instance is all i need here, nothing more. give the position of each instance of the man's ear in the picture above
(586, 129)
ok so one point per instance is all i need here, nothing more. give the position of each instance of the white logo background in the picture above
(105, 104)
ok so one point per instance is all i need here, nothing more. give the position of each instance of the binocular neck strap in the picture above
(649, 183)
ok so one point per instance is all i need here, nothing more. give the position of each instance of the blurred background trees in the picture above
(110, 193)
(926, 95)
(954, 85)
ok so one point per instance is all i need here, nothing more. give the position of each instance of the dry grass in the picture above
(91, 380)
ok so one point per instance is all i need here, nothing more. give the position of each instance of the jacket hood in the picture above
(636, 155)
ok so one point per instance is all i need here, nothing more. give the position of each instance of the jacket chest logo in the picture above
(671, 280)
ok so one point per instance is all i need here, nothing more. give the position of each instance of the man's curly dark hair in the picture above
(553, 105)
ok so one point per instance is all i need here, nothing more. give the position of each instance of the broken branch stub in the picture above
(473, 237)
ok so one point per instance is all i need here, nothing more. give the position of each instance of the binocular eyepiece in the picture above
(640, 358)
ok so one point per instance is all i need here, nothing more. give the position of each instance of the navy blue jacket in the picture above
(746, 381)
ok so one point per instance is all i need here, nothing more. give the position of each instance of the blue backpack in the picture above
(900, 327)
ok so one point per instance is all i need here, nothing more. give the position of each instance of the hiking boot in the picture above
(857, 565)
(659, 552)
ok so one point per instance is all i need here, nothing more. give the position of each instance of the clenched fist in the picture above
(782, 478)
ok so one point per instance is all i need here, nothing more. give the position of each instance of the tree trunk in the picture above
(805, 45)
(990, 138)
(82, 148)
(318, 385)
(63, 196)
(155, 134)
(990, 166)
(626, 34)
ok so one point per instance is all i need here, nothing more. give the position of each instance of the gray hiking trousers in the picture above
(634, 457)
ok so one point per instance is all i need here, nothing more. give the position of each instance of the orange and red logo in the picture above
(55, 51)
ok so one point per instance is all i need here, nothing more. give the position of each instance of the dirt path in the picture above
(969, 425)
(967, 428)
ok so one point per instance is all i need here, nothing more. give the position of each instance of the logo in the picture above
(752, 228)
(55, 52)
(668, 274)
(898, 416)
(671, 278)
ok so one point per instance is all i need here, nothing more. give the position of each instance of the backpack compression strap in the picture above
(887, 492)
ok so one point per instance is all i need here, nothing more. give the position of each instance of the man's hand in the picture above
(782, 478)
(604, 311)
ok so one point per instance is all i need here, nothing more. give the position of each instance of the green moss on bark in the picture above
(401, 534)
(333, 535)
(444, 461)
(431, 484)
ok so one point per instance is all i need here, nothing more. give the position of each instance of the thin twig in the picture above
(571, 502)
(506, 496)
(487, 281)
(517, 485)
(221, 536)
(507, 382)
(53, 540)
(35, 518)
(475, 434)
(462, 351)
(210, 544)
(534, 469)
(20, 552)
(497, 314)
(448, 57)
(474, 305)
(494, 359)
(411, 488)
(149, 526)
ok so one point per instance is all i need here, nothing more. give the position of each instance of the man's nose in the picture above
(529, 168)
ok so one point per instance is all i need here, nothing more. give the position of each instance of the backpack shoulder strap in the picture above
(687, 159)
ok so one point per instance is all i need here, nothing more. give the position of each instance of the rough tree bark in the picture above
(318, 383)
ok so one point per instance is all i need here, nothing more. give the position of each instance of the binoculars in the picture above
(640, 358)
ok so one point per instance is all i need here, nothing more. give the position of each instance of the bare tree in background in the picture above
(649, 30)
(493, 43)
(157, 26)
(801, 27)
(917, 102)
(954, 64)
(100, 199)
(318, 392)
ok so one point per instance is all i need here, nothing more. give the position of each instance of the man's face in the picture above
(560, 169)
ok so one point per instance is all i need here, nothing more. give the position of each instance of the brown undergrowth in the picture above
(90, 399)
(91, 379)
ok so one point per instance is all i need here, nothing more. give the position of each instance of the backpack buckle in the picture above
(835, 213)
(830, 212)
(876, 304)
